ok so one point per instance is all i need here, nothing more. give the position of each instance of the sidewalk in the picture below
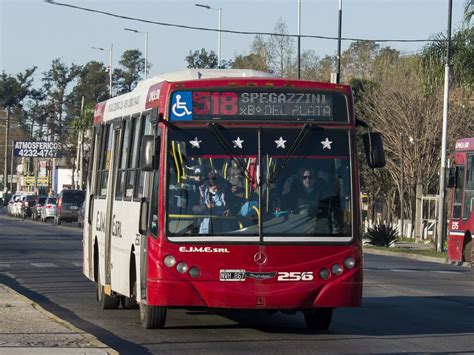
(26, 328)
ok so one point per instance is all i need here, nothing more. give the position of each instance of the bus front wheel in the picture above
(318, 318)
(106, 301)
(152, 317)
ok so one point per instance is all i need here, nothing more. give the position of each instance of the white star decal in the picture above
(326, 143)
(280, 143)
(238, 143)
(195, 143)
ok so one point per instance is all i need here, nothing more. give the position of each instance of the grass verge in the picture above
(425, 252)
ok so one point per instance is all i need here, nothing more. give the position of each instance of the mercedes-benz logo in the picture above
(259, 258)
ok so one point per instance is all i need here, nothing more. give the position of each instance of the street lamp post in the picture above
(146, 48)
(220, 28)
(442, 176)
(299, 39)
(110, 66)
(339, 34)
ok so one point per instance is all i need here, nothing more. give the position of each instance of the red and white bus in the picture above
(461, 179)
(229, 189)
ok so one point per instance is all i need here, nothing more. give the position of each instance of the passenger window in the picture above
(106, 151)
(124, 156)
(147, 129)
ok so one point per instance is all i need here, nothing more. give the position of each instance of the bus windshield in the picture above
(217, 189)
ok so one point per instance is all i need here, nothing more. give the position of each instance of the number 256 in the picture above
(295, 276)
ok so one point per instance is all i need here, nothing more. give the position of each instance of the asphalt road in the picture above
(409, 306)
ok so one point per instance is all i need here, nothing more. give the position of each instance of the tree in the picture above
(13, 91)
(280, 50)
(468, 13)
(128, 76)
(397, 105)
(462, 61)
(257, 59)
(91, 85)
(357, 61)
(56, 83)
(202, 59)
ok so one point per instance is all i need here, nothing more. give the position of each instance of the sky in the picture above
(34, 33)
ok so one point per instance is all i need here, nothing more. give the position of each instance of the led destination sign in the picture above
(258, 105)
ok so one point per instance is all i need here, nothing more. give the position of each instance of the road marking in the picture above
(448, 272)
(403, 270)
(420, 270)
(44, 265)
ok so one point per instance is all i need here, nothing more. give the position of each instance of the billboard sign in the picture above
(38, 149)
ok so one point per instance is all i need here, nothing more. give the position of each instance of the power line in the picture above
(53, 2)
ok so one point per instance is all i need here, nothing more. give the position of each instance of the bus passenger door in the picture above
(89, 239)
(111, 185)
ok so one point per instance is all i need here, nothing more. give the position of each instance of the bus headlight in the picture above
(349, 262)
(182, 267)
(169, 260)
(194, 272)
(324, 274)
(337, 269)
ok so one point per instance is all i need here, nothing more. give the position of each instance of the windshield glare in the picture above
(214, 184)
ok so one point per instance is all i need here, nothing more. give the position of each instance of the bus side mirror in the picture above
(452, 172)
(146, 155)
(374, 149)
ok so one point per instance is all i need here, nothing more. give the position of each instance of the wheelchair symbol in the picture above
(179, 108)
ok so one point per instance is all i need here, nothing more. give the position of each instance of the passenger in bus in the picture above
(308, 199)
(301, 194)
(214, 198)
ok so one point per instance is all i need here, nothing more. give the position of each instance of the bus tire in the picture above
(318, 318)
(152, 317)
(105, 301)
(130, 302)
(467, 250)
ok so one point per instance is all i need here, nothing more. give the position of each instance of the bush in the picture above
(382, 235)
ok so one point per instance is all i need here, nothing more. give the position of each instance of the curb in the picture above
(94, 346)
(432, 259)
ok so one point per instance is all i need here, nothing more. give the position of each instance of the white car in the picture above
(11, 204)
(49, 209)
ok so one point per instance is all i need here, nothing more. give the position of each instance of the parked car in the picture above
(16, 206)
(26, 203)
(68, 205)
(11, 205)
(36, 209)
(49, 209)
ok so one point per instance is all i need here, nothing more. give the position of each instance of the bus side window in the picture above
(153, 220)
(124, 157)
(146, 129)
(133, 158)
(469, 188)
(106, 151)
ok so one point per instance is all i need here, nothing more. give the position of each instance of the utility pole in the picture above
(401, 186)
(442, 173)
(7, 138)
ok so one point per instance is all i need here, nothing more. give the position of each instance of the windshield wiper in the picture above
(224, 144)
(290, 151)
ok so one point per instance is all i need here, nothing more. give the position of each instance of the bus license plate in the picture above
(232, 275)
